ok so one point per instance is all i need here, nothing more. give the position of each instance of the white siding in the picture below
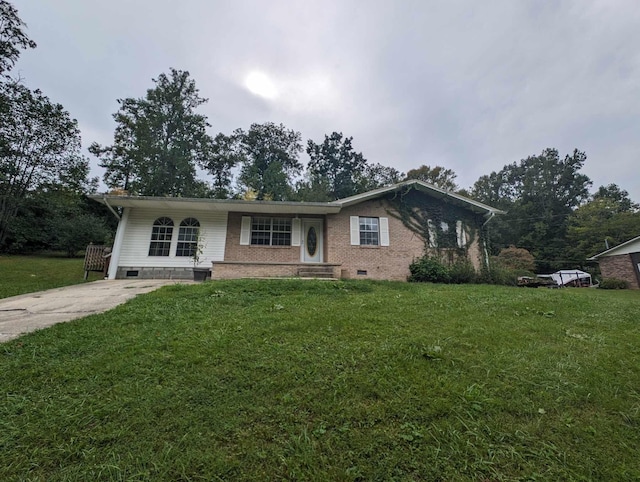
(135, 246)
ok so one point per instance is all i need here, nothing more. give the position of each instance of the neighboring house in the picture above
(621, 262)
(375, 235)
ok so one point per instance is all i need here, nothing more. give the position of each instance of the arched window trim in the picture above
(187, 237)
(161, 234)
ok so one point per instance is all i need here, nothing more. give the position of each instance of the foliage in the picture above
(610, 218)
(335, 166)
(438, 176)
(224, 154)
(27, 274)
(496, 274)
(270, 159)
(613, 284)
(539, 194)
(428, 269)
(516, 258)
(39, 147)
(433, 220)
(73, 234)
(13, 39)
(159, 140)
(244, 380)
(376, 176)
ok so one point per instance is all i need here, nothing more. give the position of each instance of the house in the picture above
(621, 262)
(373, 235)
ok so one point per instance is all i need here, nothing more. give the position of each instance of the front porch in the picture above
(272, 269)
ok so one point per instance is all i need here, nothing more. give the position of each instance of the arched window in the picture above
(187, 237)
(161, 237)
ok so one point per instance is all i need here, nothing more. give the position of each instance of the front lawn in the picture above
(27, 274)
(273, 380)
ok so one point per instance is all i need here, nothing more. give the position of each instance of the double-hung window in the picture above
(270, 231)
(369, 231)
(161, 234)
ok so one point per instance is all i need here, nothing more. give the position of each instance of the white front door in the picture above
(311, 243)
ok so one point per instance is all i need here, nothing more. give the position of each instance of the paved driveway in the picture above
(30, 312)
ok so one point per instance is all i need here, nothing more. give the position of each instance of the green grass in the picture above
(273, 380)
(27, 274)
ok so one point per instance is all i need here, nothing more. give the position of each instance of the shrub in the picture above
(516, 258)
(613, 284)
(428, 269)
(462, 271)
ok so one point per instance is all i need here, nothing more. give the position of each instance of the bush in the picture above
(613, 284)
(428, 269)
(516, 258)
(462, 271)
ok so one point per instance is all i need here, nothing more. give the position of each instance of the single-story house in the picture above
(621, 262)
(374, 235)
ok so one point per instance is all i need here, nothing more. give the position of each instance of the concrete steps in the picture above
(325, 272)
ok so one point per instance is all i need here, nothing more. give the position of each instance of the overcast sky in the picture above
(468, 85)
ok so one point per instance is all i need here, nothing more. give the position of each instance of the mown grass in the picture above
(272, 380)
(27, 274)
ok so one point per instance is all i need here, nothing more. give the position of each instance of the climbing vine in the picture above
(433, 220)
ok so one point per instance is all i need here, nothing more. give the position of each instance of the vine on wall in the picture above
(434, 220)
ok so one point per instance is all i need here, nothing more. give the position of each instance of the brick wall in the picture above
(620, 267)
(274, 254)
(379, 262)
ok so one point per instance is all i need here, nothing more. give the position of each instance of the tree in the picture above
(516, 258)
(159, 140)
(539, 194)
(377, 175)
(270, 159)
(610, 218)
(335, 166)
(224, 154)
(438, 176)
(619, 197)
(12, 37)
(39, 147)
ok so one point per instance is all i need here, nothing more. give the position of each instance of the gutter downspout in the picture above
(492, 215)
(106, 203)
(117, 244)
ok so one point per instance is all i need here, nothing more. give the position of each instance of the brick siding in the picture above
(380, 262)
(620, 267)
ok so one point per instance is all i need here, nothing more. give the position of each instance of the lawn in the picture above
(273, 380)
(26, 274)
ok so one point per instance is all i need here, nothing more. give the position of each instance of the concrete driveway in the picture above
(33, 311)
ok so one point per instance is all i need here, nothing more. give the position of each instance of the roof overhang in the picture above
(431, 190)
(612, 251)
(216, 205)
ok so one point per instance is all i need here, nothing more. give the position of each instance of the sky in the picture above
(468, 85)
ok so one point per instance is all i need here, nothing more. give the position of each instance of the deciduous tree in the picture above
(159, 140)
(335, 166)
(270, 159)
(13, 39)
(39, 147)
(437, 175)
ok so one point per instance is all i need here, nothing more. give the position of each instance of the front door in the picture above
(311, 244)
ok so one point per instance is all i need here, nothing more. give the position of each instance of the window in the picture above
(161, 237)
(187, 237)
(270, 231)
(369, 232)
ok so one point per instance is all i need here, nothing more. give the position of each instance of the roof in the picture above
(287, 207)
(220, 205)
(430, 189)
(623, 248)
